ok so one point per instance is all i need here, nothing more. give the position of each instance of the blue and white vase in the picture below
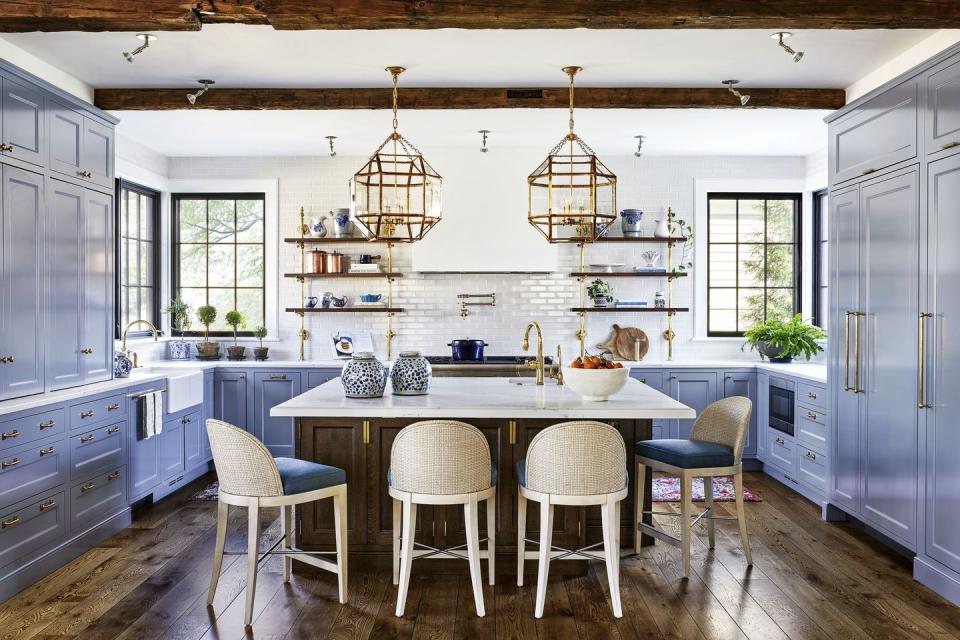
(122, 365)
(411, 374)
(341, 223)
(364, 376)
(179, 350)
(630, 222)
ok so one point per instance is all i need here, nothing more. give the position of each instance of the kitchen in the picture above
(220, 240)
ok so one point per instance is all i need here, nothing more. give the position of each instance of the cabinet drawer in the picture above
(31, 525)
(29, 428)
(812, 468)
(97, 499)
(812, 395)
(881, 133)
(82, 415)
(812, 428)
(32, 469)
(781, 451)
(96, 451)
(653, 379)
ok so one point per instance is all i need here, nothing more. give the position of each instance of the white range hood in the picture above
(484, 226)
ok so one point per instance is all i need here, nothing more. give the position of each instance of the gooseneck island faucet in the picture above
(538, 364)
(123, 345)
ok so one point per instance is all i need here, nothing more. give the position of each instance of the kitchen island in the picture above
(357, 435)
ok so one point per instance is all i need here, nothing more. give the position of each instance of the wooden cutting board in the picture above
(622, 343)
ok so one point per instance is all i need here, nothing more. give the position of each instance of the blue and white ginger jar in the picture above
(364, 376)
(122, 365)
(410, 374)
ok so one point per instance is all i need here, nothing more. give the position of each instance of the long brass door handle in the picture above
(846, 351)
(856, 351)
(922, 362)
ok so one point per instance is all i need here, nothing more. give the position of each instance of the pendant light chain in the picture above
(396, 122)
(572, 73)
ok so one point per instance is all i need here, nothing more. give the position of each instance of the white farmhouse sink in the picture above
(184, 386)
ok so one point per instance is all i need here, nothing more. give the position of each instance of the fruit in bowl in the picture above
(596, 378)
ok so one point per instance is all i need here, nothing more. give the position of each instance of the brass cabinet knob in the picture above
(84, 174)
(86, 350)
(812, 415)
(780, 441)
(811, 455)
(811, 395)
(6, 359)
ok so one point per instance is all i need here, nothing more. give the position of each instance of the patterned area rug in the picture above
(667, 489)
(210, 492)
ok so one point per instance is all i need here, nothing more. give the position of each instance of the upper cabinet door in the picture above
(65, 233)
(21, 124)
(21, 286)
(98, 322)
(943, 108)
(881, 133)
(66, 139)
(96, 158)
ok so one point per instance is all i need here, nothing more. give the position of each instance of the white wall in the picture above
(920, 52)
(53, 75)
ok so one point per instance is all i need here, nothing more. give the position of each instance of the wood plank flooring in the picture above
(811, 580)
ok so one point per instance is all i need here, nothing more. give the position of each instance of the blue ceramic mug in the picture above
(371, 297)
(310, 302)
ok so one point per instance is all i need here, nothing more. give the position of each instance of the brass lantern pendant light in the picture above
(572, 196)
(396, 194)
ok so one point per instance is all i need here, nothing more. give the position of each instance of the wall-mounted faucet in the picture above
(491, 301)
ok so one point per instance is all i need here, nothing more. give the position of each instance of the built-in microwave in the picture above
(780, 407)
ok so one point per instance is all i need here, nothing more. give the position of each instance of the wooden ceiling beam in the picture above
(464, 98)
(187, 15)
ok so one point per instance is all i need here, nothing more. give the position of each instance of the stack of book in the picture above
(631, 303)
(371, 267)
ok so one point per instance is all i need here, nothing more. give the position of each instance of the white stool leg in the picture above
(742, 517)
(617, 532)
(492, 538)
(471, 517)
(340, 522)
(397, 533)
(286, 525)
(253, 553)
(611, 554)
(223, 510)
(708, 505)
(546, 546)
(521, 535)
(638, 511)
(686, 508)
(406, 552)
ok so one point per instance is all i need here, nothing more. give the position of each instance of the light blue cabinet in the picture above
(81, 147)
(21, 282)
(207, 412)
(192, 440)
(230, 397)
(744, 383)
(22, 122)
(943, 108)
(270, 388)
(761, 409)
(171, 450)
(697, 390)
(98, 287)
(97, 153)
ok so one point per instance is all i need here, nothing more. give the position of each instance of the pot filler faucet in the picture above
(538, 364)
(123, 346)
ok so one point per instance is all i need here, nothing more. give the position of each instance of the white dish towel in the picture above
(149, 415)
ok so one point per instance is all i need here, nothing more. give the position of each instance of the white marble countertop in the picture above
(486, 398)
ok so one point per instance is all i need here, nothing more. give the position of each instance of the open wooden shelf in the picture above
(627, 274)
(638, 239)
(369, 274)
(357, 309)
(329, 240)
(630, 309)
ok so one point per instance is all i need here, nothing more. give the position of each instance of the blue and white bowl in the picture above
(411, 374)
(364, 376)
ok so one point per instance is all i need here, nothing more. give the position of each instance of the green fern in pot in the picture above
(783, 341)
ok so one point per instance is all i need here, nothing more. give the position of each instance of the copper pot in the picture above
(319, 264)
(334, 262)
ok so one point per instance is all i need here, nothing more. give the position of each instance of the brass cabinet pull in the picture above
(87, 438)
(6, 435)
(113, 407)
(867, 171)
(114, 429)
(242, 377)
(86, 351)
(9, 522)
(780, 441)
(9, 463)
(922, 362)
(47, 451)
(512, 431)
(47, 425)
(6, 147)
(48, 505)
(113, 475)
(88, 487)
(84, 174)
(856, 351)
(811, 455)
(846, 351)
(812, 415)
(643, 380)
(278, 376)
(366, 432)
(86, 414)
(950, 145)
(811, 395)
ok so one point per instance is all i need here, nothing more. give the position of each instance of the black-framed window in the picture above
(137, 257)
(821, 305)
(753, 259)
(218, 255)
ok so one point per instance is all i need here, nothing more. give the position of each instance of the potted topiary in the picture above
(207, 315)
(236, 320)
(179, 312)
(783, 341)
(260, 353)
(599, 290)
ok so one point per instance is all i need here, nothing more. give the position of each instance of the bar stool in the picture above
(573, 463)
(440, 462)
(715, 448)
(250, 477)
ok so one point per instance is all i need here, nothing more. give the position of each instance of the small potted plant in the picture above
(179, 312)
(236, 320)
(783, 341)
(207, 315)
(600, 290)
(260, 353)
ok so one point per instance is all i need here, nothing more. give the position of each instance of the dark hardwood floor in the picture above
(811, 580)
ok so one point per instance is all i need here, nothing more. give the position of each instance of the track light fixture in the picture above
(333, 152)
(779, 36)
(744, 99)
(192, 97)
(639, 151)
(484, 133)
(146, 39)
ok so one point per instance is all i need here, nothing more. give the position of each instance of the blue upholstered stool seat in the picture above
(300, 476)
(522, 473)
(686, 454)
(493, 476)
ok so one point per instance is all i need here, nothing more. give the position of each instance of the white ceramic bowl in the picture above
(595, 384)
